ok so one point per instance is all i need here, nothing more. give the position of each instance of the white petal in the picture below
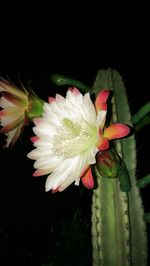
(60, 98)
(68, 171)
(44, 130)
(91, 159)
(68, 182)
(53, 119)
(47, 161)
(77, 181)
(39, 153)
(58, 108)
(89, 109)
(74, 98)
(101, 117)
(43, 143)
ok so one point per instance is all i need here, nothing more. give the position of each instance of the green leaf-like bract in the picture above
(118, 229)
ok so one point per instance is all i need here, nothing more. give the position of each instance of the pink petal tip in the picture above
(74, 90)
(51, 99)
(34, 138)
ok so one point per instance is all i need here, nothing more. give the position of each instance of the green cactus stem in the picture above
(118, 228)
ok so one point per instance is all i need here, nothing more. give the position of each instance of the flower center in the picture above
(73, 138)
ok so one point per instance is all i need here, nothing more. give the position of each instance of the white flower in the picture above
(68, 136)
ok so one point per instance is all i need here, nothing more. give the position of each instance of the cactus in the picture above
(118, 228)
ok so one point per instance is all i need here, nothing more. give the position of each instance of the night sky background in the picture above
(36, 227)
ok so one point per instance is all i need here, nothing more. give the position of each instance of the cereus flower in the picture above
(68, 136)
(18, 107)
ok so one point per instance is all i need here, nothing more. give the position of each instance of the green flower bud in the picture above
(108, 163)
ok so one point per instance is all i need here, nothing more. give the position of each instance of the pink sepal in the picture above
(116, 131)
(87, 179)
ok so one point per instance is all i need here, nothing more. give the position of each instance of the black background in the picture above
(34, 45)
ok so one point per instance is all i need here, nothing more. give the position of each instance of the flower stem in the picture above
(61, 80)
(142, 123)
(143, 182)
(144, 110)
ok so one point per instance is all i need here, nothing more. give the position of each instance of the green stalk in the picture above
(61, 80)
(143, 182)
(142, 123)
(144, 110)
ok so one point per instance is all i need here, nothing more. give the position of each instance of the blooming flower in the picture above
(68, 137)
(18, 108)
(13, 102)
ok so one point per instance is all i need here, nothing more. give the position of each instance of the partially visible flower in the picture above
(16, 110)
(68, 137)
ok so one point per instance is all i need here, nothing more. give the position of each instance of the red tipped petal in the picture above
(34, 138)
(87, 179)
(74, 90)
(18, 101)
(41, 172)
(55, 190)
(116, 131)
(12, 125)
(11, 112)
(51, 99)
(3, 113)
(37, 121)
(11, 88)
(37, 173)
(100, 99)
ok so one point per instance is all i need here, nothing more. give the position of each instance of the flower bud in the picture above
(108, 163)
